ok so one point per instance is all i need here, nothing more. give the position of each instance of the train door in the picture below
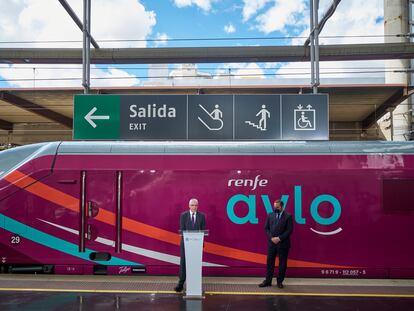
(100, 215)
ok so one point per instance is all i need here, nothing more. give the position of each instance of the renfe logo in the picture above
(251, 203)
(248, 182)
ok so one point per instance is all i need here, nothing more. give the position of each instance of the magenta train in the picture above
(113, 207)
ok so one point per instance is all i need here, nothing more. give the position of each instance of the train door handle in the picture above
(91, 233)
(88, 232)
(92, 209)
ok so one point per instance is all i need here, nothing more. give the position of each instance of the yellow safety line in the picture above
(207, 292)
(312, 294)
(87, 290)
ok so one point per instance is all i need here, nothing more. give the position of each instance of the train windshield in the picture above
(13, 158)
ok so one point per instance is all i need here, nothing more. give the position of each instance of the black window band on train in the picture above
(13, 158)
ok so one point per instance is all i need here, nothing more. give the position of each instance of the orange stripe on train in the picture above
(60, 198)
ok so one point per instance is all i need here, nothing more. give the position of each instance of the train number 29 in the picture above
(15, 239)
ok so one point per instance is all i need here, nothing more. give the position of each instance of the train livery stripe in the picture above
(58, 197)
(133, 249)
(44, 191)
(58, 244)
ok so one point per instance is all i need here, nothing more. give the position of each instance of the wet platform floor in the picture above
(65, 293)
(46, 301)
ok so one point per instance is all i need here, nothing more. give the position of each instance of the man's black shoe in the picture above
(265, 284)
(280, 285)
(179, 288)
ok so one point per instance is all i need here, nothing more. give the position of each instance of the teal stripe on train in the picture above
(60, 245)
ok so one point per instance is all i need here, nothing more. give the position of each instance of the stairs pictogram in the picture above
(254, 125)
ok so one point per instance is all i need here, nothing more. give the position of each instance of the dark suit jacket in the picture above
(186, 224)
(281, 228)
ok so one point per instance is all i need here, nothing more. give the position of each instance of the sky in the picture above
(160, 23)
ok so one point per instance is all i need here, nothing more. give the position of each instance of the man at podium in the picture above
(189, 220)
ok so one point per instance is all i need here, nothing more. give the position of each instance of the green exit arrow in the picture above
(89, 117)
(96, 117)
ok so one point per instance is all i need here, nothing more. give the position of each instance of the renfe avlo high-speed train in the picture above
(114, 207)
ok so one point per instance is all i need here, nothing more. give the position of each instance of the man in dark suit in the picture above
(189, 220)
(278, 227)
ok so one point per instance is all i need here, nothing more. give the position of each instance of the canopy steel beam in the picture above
(77, 21)
(35, 108)
(5, 125)
(314, 44)
(325, 18)
(400, 50)
(86, 48)
(393, 101)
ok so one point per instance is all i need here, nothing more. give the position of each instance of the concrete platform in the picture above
(90, 293)
(211, 285)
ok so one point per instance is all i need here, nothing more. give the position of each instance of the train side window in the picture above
(398, 194)
(11, 158)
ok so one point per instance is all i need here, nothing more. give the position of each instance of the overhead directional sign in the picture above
(257, 117)
(210, 117)
(201, 117)
(96, 117)
(305, 117)
(157, 117)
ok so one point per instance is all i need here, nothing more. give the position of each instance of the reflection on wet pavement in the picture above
(29, 301)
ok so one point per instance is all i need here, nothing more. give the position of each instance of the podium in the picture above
(193, 246)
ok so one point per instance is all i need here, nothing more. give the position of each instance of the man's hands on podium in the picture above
(275, 240)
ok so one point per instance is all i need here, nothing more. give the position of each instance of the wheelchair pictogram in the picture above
(305, 118)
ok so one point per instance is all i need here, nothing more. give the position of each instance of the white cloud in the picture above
(161, 38)
(350, 19)
(34, 20)
(250, 71)
(324, 5)
(272, 65)
(282, 14)
(251, 7)
(229, 28)
(66, 76)
(202, 4)
(355, 69)
(241, 71)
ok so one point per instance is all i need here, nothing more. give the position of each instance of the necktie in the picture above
(193, 219)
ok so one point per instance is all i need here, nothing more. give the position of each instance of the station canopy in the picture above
(30, 115)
